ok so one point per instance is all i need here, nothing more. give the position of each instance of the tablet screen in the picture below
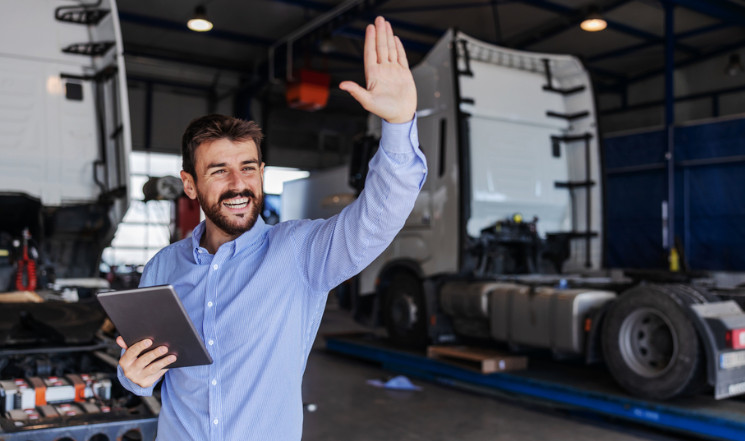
(156, 313)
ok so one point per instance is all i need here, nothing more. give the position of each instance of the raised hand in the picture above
(390, 92)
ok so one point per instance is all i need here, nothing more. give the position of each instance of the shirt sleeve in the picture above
(335, 249)
(147, 279)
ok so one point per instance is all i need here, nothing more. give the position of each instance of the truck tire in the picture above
(404, 312)
(650, 345)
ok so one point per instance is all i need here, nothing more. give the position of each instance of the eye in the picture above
(218, 172)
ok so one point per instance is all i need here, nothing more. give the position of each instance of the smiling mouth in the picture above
(236, 203)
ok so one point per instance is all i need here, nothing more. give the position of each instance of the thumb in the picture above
(359, 93)
(120, 342)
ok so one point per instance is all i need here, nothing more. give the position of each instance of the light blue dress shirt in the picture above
(257, 303)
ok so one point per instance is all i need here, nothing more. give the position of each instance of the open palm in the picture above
(390, 92)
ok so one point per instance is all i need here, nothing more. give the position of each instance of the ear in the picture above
(190, 188)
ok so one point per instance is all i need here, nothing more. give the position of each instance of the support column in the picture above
(669, 241)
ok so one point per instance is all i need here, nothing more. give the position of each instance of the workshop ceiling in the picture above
(631, 46)
(233, 59)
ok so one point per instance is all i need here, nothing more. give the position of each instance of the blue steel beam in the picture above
(622, 51)
(702, 30)
(713, 95)
(457, 5)
(409, 45)
(727, 11)
(398, 24)
(191, 59)
(535, 36)
(578, 16)
(670, 122)
(170, 25)
(690, 60)
(637, 47)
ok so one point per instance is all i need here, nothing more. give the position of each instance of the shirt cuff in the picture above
(131, 386)
(393, 137)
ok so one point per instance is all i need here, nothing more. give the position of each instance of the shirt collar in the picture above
(245, 240)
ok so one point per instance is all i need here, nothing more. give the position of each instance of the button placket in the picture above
(209, 332)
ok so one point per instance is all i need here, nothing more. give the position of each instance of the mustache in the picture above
(234, 194)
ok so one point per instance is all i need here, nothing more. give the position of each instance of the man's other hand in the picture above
(390, 92)
(140, 366)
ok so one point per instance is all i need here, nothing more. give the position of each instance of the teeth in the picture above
(237, 203)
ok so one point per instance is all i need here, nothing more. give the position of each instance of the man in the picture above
(255, 292)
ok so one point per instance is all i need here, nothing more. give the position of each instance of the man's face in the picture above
(229, 185)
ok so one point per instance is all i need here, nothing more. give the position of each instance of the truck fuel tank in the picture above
(543, 317)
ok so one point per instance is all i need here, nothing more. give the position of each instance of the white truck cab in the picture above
(505, 242)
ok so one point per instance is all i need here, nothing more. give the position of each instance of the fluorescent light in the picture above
(593, 23)
(199, 22)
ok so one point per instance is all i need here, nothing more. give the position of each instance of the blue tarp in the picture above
(709, 197)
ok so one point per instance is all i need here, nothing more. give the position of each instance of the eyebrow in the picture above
(223, 164)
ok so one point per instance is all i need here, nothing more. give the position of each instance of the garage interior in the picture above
(656, 208)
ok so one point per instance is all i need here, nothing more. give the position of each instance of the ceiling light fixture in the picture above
(594, 22)
(199, 22)
(734, 67)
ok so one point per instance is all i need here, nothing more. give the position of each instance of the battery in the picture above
(69, 409)
(96, 386)
(21, 394)
(48, 411)
(7, 395)
(25, 395)
(23, 415)
(59, 389)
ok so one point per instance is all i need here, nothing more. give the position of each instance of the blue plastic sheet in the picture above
(399, 382)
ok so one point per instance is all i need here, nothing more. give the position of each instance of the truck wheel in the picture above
(650, 346)
(404, 312)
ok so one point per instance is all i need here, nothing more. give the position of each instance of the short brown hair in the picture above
(212, 127)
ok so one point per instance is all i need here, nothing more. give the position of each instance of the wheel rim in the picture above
(404, 312)
(648, 342)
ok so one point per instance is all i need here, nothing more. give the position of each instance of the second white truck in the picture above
(505, 241)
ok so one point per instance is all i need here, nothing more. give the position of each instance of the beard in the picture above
(233, 225)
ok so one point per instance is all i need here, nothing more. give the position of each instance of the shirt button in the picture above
(214, 382)
(209, 304)
(211, 342)
(214, 421)
(214, 266)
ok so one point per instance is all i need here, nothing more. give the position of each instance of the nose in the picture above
(236, 181)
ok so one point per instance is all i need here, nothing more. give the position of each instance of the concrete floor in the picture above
(350, 409)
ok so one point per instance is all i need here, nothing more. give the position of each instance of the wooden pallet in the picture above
(482, 360)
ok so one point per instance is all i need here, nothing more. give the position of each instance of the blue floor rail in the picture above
(705, 424)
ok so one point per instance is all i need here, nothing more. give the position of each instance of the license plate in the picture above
(732, 360)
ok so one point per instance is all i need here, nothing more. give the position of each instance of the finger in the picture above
(402, 60)
(145, 359)
(392, 55)
(131, 354)
(159, 365)
(358, 93)
(150, 380)
(381, 40)
(120, 342)
(370, 55)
